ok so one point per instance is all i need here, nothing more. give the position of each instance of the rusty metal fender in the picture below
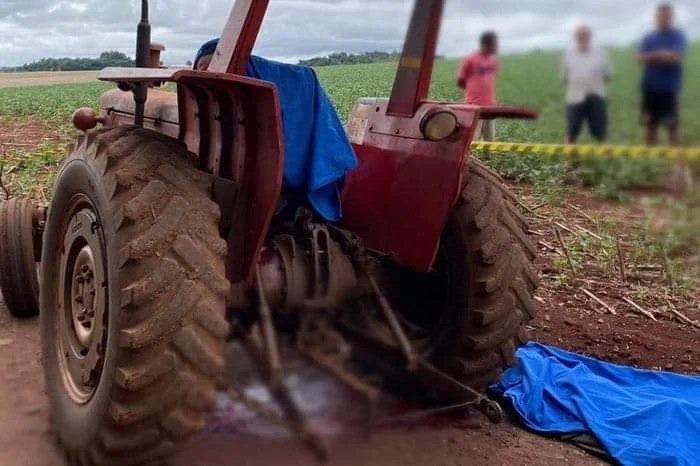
(399, 199)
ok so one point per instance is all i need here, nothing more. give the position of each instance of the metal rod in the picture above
(143, 50)
(267, 326)
(395, 325)
(261, 342)
(258, 348)
(143, 37)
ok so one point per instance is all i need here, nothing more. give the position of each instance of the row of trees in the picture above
(105, 59)
(350, 58)
(119, 59)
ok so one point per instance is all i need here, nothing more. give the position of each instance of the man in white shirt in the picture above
(586, 71)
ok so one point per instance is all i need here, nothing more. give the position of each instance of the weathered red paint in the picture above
(400, 197)
(239, 36)
(412, 81)
(397, 201)
(234, 123)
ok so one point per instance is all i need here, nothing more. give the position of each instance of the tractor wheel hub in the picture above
(83, 296)
(82, 302)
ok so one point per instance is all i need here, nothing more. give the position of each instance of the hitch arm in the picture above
(496, 111)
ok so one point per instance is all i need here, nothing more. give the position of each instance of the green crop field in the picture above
(530, 79)
(526, 79)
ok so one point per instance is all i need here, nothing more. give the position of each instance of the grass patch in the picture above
(32, 173)
(526, 79)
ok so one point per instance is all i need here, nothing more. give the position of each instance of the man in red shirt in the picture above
(477, 76)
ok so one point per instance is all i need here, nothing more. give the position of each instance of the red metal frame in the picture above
(234, 124)
(412, 81)
(401, 196)
(239, 37)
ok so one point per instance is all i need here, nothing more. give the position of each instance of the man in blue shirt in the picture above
(662, 52)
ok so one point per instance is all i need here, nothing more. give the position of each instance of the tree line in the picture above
(119, 59)
(350, 58)
(111, 58)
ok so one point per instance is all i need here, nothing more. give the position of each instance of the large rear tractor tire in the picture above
(481, 292)
(19, 248)
(132, 299)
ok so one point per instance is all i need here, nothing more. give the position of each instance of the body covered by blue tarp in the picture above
(641, 417)
(316, 149)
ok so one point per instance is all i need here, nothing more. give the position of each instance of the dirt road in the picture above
(237, 437)
(44, 78)
(24, 438)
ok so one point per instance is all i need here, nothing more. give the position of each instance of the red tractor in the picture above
(164, 240)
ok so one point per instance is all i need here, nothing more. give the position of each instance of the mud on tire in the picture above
(468, 315)
(492, 279)
(159, 276)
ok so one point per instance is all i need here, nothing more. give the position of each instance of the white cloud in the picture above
(32, 29)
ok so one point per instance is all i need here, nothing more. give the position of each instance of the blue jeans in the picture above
(594, 111)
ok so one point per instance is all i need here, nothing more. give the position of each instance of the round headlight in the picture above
(438, 125)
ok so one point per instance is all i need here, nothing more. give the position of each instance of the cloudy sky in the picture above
(32, 29)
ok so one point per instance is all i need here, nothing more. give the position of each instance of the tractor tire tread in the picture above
(501, 257)
(172, 348)
(18, 276)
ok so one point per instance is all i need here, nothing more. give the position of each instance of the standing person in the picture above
(477, 76)
(585, 72)
(661, 53)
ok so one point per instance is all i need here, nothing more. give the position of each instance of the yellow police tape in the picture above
(671, 153)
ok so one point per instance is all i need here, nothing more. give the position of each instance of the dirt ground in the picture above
(237, 437)
(401, 434)
(574, 320)
(25, 135)
(43, 78)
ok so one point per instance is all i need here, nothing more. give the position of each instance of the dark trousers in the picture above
(594, 111)
(660, 108)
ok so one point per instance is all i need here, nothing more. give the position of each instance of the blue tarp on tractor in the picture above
(641, 417)
(317, 153)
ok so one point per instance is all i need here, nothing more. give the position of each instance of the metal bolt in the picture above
(80, 279)
(86, 378)
(84, 268)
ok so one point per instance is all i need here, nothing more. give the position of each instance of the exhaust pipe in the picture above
(143, 45)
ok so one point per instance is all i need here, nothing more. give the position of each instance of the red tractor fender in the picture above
(400, 198)
(233, 125)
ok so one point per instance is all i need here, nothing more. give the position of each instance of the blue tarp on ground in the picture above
(641, 417)
(317, 151)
